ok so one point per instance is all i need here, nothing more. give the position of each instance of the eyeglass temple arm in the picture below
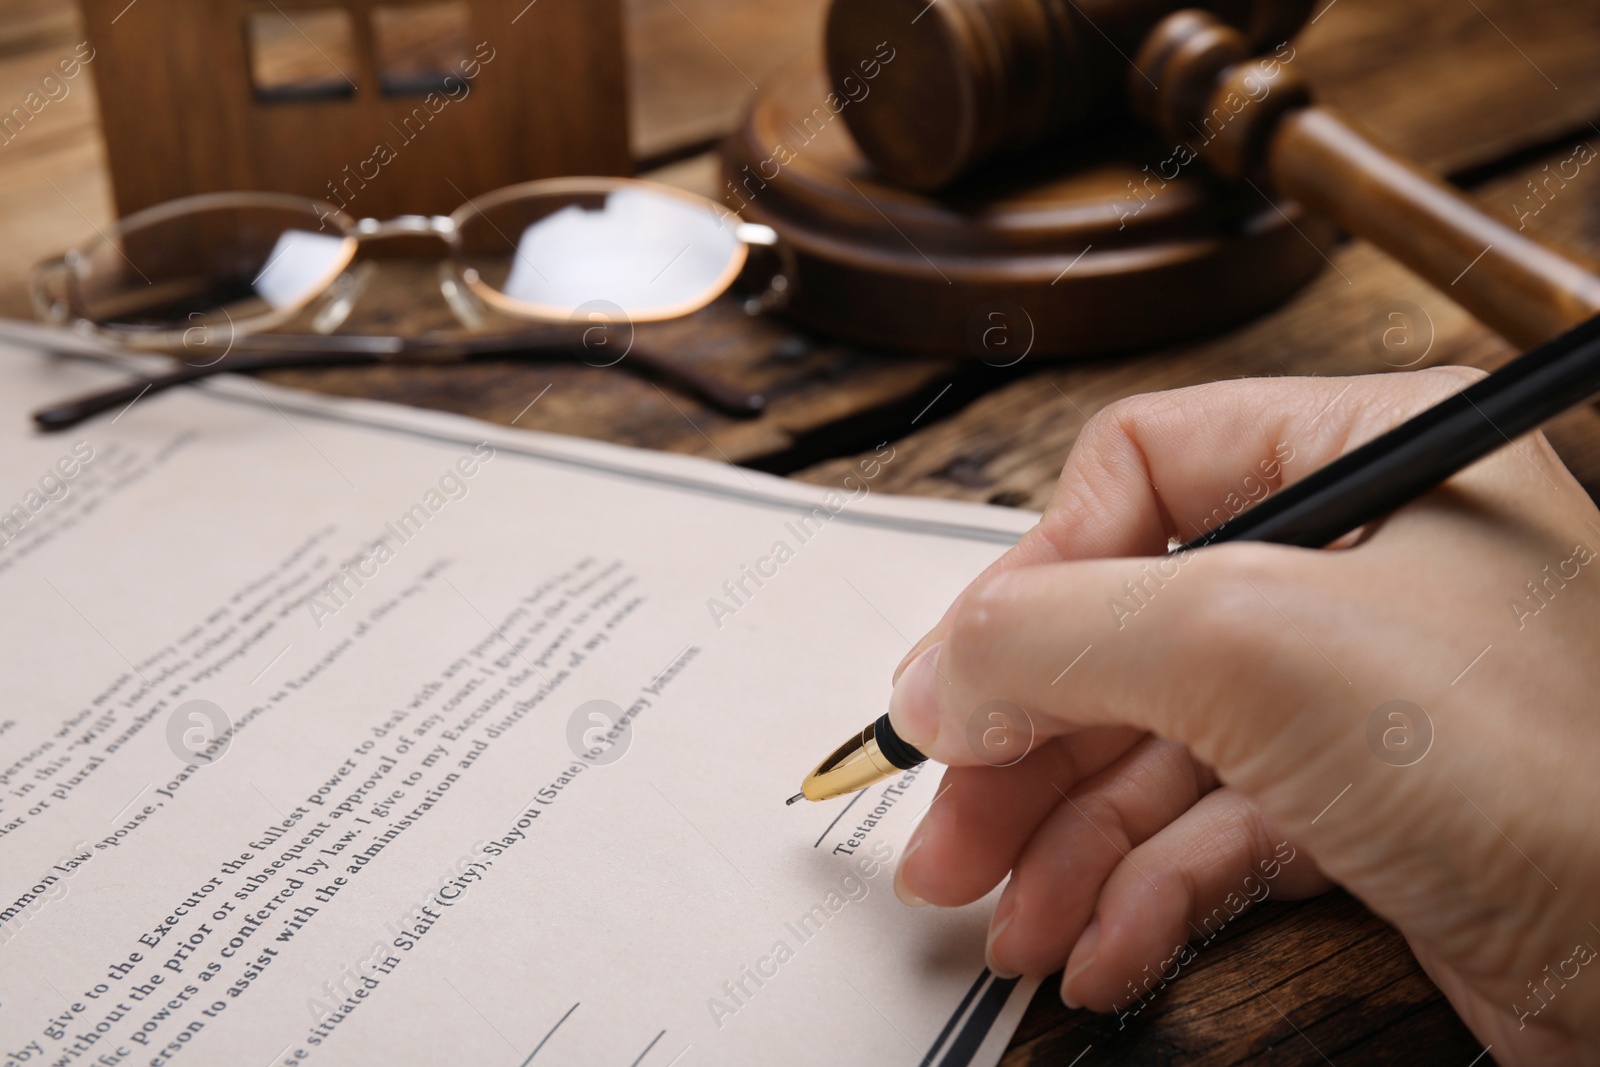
(363, 350)
(70, 413)
(726, 398)
(718, 394)
(550, 340)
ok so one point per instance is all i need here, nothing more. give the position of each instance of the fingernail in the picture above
(914, 705)
(1084, 954)
(988, 950)
(906, 895)
(1002, 918)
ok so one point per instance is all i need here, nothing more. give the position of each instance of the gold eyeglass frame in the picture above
(56, 285)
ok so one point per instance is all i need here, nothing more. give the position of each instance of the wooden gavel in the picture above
(975, 78)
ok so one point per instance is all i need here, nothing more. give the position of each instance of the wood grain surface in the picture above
(1490, 90)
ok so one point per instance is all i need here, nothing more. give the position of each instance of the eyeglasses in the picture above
(204, 278)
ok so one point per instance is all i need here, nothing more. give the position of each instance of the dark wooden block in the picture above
(538, 92)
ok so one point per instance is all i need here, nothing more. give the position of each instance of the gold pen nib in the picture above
(797, 797)
(853, 766)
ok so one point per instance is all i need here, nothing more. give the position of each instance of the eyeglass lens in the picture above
(647, 254)
(219, 263)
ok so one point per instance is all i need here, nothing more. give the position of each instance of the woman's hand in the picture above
(1414, 716)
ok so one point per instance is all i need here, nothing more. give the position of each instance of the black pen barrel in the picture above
(1397, 467)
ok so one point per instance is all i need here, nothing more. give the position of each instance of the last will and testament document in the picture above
(339, 733)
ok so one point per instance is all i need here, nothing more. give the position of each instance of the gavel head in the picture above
(930, 89)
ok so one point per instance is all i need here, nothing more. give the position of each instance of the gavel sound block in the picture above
(1082, 250)
(987, 77)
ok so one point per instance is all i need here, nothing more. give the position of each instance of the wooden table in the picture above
(1489, 91)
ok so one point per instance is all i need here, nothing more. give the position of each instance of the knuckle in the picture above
(1125, 419)
(1104, 825)
(1122, 411)
(1105, 456)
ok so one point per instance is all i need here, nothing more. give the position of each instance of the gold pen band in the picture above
(859, 762)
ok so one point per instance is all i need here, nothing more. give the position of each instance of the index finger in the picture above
(1162, 466)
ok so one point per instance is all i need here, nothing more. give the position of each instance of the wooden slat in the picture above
(1328, 966)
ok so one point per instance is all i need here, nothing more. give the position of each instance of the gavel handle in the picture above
(1194, 75)
(1522, 289)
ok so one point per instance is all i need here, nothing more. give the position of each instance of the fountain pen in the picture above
(1359, 487)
